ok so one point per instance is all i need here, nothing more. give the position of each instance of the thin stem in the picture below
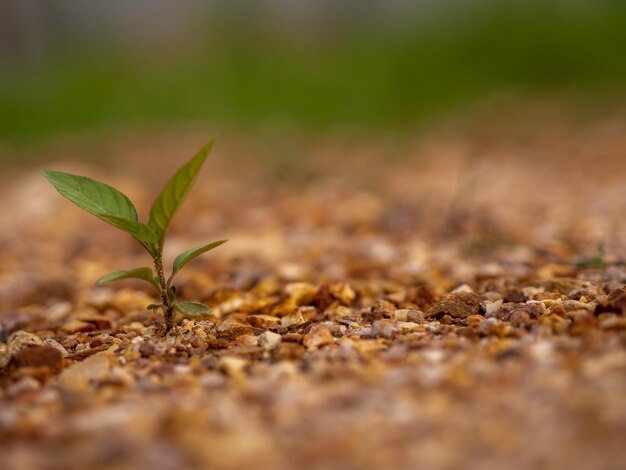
(169, 280)
(168, 309)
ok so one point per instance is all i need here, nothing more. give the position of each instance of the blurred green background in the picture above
(72, 66)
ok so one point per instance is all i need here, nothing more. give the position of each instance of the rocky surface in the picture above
(411, 323)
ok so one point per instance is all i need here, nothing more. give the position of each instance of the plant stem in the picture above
(168, 310)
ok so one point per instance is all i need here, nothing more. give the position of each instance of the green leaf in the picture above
(186, 256)
(191, 309)
(139, 273)
(141, 232)
(175, 192)
(94, 197)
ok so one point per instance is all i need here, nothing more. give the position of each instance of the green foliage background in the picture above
(369, 76)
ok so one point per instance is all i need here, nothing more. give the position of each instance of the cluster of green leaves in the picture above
(115, 208)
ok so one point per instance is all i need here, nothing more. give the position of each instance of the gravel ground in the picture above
(448, 309)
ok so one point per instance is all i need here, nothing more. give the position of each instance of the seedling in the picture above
(597, 261)
(112, 206)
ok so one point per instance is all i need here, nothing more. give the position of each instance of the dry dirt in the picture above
(429, 304)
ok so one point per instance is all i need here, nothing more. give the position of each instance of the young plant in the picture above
(112, 206)
(597, 261)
